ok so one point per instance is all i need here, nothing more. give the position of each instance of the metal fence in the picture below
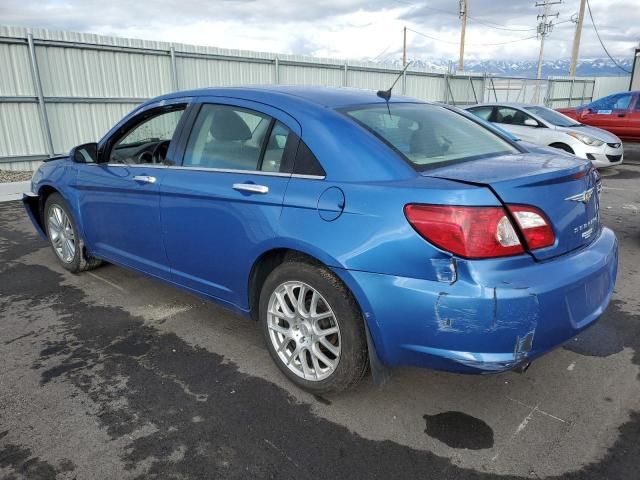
(60, 89)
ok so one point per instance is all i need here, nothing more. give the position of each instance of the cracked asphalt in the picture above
(110, 375)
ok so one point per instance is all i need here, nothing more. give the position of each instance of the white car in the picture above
(545, 127)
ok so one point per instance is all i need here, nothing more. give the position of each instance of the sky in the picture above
(349, 29)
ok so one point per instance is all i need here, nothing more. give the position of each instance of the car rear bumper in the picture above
(491, 319)
(31, 202)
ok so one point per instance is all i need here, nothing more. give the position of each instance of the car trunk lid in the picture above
(565, 189)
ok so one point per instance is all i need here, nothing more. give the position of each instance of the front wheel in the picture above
(64, 237)
(313, 327)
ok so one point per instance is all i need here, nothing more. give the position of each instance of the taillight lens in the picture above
(534, 226)
(479, 232)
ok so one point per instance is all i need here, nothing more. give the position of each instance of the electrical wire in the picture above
(602, 43)
(470, 44)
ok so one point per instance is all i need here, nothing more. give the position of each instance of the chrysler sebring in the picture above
(356, 229)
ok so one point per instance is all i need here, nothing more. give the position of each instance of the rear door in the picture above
(222, 205)
(119, 199)
(631, 128)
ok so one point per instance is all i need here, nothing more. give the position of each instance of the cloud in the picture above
(356, 29)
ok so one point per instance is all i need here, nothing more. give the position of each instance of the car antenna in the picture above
(386, 94)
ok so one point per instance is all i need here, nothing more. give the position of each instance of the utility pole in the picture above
(463, 19)
(576, 40)
(545, 26)
(404, 48)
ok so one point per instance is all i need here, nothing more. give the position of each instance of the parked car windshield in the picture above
(428, 135)
(553, 117)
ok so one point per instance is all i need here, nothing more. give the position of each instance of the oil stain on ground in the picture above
(459, 430)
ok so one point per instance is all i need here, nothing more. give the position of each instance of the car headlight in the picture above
(586, 139)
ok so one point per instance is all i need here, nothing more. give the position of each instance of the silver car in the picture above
(545, 127)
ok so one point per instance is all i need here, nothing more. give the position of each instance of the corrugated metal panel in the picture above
(198, 73)
(371, 80)
(88, 73)
(15, 74)
(425, 88)
(74, 124)
(20, 132)
(607, 85)
(297, 75)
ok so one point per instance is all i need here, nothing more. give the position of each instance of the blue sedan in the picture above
(355, 229)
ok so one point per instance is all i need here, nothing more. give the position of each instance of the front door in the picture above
(513, 121)
(119, 197)
(609, 113)
(222, 206)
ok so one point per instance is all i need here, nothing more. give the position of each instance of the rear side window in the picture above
(306, 162)
(234, 138)
(428, 135)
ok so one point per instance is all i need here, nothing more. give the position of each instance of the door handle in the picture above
(621, 114)
(144, 178)
(251, 188)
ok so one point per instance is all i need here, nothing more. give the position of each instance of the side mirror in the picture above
(85, 153)
(530, 122)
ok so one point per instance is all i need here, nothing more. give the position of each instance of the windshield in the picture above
(428, 135)
(553, 117)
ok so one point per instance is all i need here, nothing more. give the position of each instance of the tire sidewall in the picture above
(352, 335)
(56, 199)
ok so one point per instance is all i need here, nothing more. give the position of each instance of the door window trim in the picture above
(120, 131)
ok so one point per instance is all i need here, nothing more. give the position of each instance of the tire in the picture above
(68, 247)
(334, 302)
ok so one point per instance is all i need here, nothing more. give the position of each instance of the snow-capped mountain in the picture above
(595, 67)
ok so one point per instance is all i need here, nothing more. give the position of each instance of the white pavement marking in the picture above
(538, 410)
(109, 282)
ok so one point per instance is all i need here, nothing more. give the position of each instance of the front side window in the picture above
(147, 141)
(428, 135)
(618, 101)
(234, 138)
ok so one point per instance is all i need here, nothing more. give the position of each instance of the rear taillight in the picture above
(535, 228)
(480, 232)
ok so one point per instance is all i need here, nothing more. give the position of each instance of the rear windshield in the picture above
(551, 116)
(429, 135)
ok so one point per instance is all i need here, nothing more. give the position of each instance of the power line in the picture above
(472, 44)
(602, 43)
(498, 26)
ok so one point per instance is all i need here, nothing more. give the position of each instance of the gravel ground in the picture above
(7, 176)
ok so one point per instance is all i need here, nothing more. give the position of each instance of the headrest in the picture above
(228, 126)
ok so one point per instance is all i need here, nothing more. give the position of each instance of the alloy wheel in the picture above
(304, 331)
(61, 234)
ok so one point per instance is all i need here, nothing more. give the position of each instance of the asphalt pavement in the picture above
(111, 375)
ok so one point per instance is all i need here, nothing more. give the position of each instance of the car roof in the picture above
(504, 104)
(331, 97)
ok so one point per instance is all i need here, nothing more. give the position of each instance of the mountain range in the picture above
(594, 67)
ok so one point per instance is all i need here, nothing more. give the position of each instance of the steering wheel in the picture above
(159, 153)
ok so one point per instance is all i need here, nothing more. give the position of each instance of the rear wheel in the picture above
(64, 237)
(313, 327)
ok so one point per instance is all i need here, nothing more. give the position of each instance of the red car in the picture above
(618, 113)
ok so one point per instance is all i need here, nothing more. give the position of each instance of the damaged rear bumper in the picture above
(499, 315)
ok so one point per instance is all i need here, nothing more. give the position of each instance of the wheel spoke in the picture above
(284, 307)
(306, 371)
(326, 331)
(322, 316)
(280, 329)
(302, 291)
(323, 358)
(294, 354)
(329, 346)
